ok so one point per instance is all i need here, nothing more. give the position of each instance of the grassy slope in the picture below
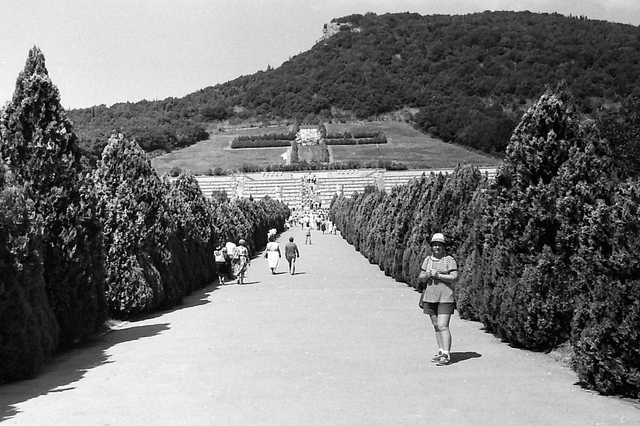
(405, 145)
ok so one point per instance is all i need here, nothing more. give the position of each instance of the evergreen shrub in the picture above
(39, 144)
(29, 333)
(137, 229)
(547, 252)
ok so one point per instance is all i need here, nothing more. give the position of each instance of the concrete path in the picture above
(337, 344)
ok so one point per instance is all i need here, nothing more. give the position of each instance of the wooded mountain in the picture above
(469, 77)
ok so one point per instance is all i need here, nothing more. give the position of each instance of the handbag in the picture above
(422, 284)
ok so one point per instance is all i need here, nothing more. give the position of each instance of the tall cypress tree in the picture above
(138, 228)
(29, 330)
(40, 147)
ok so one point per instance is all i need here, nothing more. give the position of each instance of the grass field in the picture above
(405, 144)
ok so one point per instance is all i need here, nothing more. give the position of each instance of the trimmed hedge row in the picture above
(267, 140)
(272, 140)
(159, 236)
(357, 135)
(238, 143)
(547, 251)
(379, 138)
(77, 246)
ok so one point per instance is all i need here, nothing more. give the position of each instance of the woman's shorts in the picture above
(439, 308)
(221, 268)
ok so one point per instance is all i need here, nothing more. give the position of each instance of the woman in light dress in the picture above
(241, 260)
(272, 254)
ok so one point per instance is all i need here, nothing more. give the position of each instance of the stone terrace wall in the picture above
(288, 186)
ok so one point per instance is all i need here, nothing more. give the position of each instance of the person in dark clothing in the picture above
(291, 253)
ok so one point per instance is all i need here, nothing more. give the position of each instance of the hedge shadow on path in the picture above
(198, 297)
(69, 367)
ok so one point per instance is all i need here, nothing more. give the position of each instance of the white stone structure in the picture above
(308, 137)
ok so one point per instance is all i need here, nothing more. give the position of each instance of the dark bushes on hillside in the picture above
(469, 78)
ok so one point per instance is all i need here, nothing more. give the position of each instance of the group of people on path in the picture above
(318, 219)
(232, 261)
(436, 281)
(273, 254)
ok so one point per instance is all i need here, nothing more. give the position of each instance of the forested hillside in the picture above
(470, 78)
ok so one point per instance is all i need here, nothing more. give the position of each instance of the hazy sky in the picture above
(108, 51)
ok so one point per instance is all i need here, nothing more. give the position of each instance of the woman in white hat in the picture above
(438, 274)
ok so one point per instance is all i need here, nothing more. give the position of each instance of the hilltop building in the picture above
(308, 136)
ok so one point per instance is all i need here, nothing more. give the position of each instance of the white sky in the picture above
(108, 51)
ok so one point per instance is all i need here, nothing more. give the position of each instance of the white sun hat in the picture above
(438, 238)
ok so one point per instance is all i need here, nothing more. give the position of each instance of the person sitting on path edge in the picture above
(438, 275)
(291, 253)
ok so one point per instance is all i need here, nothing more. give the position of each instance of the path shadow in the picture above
(248, 283)
(198, 297)
(463, 356)
(300, 273)
(69, 367)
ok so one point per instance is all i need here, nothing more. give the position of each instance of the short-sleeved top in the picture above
(439, 291)
(231, 248)
(219, 255)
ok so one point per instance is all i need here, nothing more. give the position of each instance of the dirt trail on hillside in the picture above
(339, 343)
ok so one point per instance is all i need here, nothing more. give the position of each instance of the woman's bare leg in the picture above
(445, 333)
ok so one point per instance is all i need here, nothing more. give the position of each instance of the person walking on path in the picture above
(307, 235)
(291, 253)
(219, 255)
(231, 250)
(273, 254)
(241, 260)
(438, 274)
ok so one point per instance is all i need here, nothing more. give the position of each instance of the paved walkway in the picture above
(337, 344)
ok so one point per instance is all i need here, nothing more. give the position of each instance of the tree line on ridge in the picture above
(466, 78)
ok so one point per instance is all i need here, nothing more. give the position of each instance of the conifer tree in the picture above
(295, 158)
(325, 157)
(137, 229)
(526, 305)
(40, 147)
(195, 235)
(29, 332)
